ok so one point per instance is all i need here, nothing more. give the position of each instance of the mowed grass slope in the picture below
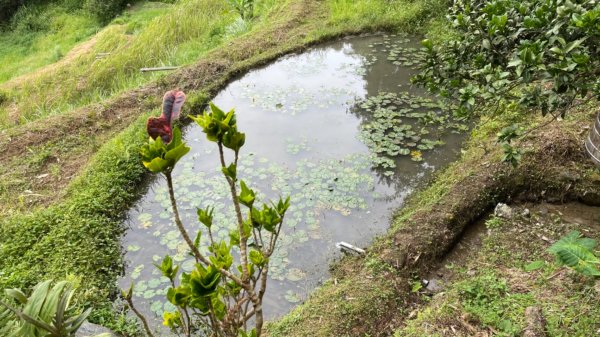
(77, 233)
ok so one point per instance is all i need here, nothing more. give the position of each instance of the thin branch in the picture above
(199, 257)
(238, 212)
(140, 316)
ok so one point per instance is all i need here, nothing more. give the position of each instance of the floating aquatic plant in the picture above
(398, 123)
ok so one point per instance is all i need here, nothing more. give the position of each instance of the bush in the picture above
(105, 10)
(8, 8)
(537, 54)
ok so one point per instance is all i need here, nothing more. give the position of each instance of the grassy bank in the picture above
(87, 169)
(503, 268)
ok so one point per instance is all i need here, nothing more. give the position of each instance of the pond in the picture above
(338, 128)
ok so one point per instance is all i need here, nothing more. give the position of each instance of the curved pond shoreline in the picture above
(305, 121)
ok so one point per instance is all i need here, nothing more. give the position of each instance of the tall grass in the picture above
(25, 48)
(175, 35)
(406, 15)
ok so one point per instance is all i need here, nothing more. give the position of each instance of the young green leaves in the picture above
(220, 127)
(167, 269)
(214, 282)
(205, 216)
(247, 196)
(159, 157)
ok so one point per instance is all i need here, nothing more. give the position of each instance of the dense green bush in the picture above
(105, 10)
(8, 8)
(542, 54)
(537, 54)
(31, 13)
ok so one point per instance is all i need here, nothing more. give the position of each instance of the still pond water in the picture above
(339, 129)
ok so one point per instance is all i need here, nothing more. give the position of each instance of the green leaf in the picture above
(535, 265)
(16, 294)
(258, 258)
(205, 216)
(158, 157)
(576, 252)
(204, 281)
(247, 196)
(230, 171)
(234, 140)
(173, 156)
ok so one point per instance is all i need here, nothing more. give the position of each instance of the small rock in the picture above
(88, 329)
(591, 198)
(434, 286)
(526, 213)
(503, 211)
(570, 176)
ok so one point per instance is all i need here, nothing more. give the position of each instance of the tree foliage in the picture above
(103, 10)
(542, 54)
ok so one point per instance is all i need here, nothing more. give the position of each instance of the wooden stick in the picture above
(158, 69)
(346, 246)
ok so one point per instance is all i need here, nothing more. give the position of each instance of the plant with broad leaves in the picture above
(46, 312)
(218, 297)
(244, 7)
(577, 252)
(538, 54)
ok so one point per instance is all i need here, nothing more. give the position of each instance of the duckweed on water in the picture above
(399, 123)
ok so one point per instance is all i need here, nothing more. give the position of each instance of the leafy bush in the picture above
(244, 7)
(105, 10)
(8, 8)
(549, 48)
(539, 54)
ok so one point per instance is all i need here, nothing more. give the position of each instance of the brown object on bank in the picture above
(536, 325)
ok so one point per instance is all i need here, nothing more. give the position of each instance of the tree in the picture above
(539, 54)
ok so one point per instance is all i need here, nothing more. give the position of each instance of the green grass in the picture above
(81, 237)
(23, 50)
(376, 14)
(148, 35)
(492, 287)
